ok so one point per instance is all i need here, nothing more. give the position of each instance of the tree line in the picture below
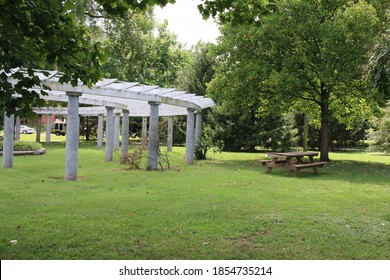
(275, 63)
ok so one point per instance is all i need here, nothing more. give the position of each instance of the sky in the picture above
(186, 22)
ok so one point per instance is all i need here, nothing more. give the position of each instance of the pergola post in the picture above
(8, 141)
(72, 136)
(39, 128)
(190, 136)
(17, 129)
(117, 124)
(111, 93)
(198, 126)
(144, 131)
(48, 127)
(153, 143)
(99, 144)
(125, 132)
(109, 133)
(170, 134)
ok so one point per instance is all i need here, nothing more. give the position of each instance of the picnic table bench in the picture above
(293, 161)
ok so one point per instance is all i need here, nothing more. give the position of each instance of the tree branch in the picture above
(92, 15)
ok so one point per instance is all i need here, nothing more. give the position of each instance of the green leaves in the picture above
(42, 34)
(237, 12)
(381, 136)
(315, 51)
(144, 51)
(199, 72)
(120, 7)
(51, 34)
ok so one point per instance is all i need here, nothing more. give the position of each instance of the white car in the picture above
(24, 129)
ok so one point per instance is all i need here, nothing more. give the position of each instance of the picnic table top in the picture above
(293, 154)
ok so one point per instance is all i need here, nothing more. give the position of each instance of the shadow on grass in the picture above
(343, 170)
(359, 171)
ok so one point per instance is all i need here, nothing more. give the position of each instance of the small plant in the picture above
(163, 154)
(163, 158)
(206, 142)
(201, 148)
(133, 159)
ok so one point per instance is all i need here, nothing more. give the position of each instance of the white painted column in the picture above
(109, 133)
(190, 136)
(198, 126)
(99, 144)
(144, 131)
(39, 129)
(125, 132)
(170, 134)
(117, 125)
(17, 129)
(153, 143)
(72, 136)
(8, 141)
(48, 128)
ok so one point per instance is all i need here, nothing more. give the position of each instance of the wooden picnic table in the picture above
(292, 161)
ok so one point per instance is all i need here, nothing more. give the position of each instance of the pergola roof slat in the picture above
(143, 88)
(205, 103)
(185, 96)
(122, 85)
(162, 91)
(42, 75)
(173, 94)
(105, 82)
(121, 95)
(193, 98)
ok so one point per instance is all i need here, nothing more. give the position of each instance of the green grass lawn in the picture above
(222, 208)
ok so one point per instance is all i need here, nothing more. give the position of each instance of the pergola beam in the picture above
(108, 89)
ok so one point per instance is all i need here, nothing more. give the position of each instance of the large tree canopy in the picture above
(143, 50)
(315, 51)
(199, 72)
(381, 65)
(50, 35)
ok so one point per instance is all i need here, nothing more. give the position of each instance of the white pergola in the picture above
(110, 97)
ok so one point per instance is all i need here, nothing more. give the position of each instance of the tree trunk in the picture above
(305, 131)
(324, 149)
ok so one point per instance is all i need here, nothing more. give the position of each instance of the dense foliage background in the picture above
(274, 63)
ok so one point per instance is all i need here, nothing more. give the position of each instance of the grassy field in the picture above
(222, 208)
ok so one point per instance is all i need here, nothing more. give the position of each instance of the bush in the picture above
(201, 149)
(24, 146)
(381, 136)
(133, 159)
(246, 130)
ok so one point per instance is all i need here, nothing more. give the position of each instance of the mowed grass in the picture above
(222, 208)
